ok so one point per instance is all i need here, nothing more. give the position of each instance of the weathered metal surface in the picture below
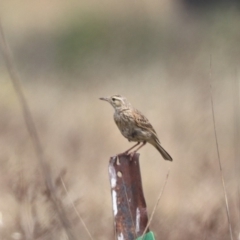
(129, 206)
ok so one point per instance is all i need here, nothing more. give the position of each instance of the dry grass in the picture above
(79, 136)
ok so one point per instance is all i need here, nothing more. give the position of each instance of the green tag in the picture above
(148, 236)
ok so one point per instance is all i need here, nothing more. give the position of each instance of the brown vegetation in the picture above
(70, 55)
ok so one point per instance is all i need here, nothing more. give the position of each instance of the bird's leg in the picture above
(126, 152)
(133, 152)
(132, 147)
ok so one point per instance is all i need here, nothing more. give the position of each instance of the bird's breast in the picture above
(129, 129)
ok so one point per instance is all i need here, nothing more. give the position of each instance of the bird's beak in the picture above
(105, 99)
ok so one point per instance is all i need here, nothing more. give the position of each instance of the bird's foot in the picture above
(131, 154)
(123, 153)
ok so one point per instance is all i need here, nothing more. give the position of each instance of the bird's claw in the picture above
(131, 155)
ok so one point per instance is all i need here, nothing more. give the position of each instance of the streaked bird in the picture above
(134, 125)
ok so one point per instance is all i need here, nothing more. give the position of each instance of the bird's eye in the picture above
(113, 99)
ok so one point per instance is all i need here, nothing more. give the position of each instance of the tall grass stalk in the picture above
(156, 205)
(33, 133)
(237, 137)
(218, 154)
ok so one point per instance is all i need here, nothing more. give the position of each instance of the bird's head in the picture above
(117, 101)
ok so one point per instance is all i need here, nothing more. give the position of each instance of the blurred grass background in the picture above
(156, 53)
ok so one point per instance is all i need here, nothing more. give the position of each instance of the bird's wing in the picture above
(142, 122)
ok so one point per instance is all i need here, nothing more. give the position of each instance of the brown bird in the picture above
(134, 125)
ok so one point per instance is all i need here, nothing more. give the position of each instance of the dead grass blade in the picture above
(156, 205)
(32, 130)
(237, 136)
(218, 154)
(75, 209)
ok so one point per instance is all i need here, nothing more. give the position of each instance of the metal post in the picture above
(129, 206)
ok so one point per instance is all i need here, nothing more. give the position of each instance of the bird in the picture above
(134, 125)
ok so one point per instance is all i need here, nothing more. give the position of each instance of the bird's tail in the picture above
(156, 143)
(163, 152)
